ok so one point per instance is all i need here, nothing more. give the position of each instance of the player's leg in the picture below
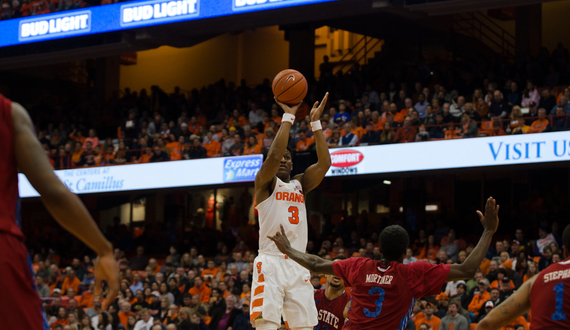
(266, 325)
(299, 308)
(20, 305)
(267, 293)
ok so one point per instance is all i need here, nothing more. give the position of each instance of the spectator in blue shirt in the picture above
(242, 320)
(421, 105)
(563, 103)
(342, 113)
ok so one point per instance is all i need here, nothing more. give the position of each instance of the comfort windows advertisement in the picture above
(50, 21)
(403, 157)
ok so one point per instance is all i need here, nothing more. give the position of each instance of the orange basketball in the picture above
(290, 86)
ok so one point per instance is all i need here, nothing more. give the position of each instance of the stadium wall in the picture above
(251, 55)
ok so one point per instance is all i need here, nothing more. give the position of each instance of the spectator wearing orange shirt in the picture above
(211, 272)
(194, 126)
(252, 147)
(237, 119)
(376, 122)
(76, 157)
(200, 289)
(86, 299)
(497, 130)
(275, 116)
(479, 298)
(125, 311)
(539, 125)
(428, 318)
(77, 135)
(356, 128)
(145, 158)
(407, 133)
(213, 147)
(71, 281)
(304, 142)
(62, 317)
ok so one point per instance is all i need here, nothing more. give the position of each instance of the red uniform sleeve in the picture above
(347, 269)
(426, 279)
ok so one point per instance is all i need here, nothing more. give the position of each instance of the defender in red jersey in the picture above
(384, 292)
(21, 307)
(547, 294)
(332, 303)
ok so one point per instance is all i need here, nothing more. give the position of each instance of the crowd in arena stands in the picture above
(24, 8)
(189, 290)
(457, 101)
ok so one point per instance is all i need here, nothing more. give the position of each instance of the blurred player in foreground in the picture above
(547, 294)
(384, 292)
(332, 303)
(280, 286)
(20, 306)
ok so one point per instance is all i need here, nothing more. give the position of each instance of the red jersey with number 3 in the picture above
(383, 296)
(331, 312)
(285, 206)
(9, 200)
(550, 298)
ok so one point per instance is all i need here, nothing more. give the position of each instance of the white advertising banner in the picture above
(198, 172)
(401, 157)
(456, 153)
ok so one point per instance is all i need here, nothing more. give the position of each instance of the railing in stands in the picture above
(481, 27)
(359, 53)
(452, 131)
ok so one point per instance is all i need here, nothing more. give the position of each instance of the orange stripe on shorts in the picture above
(254, 315)
(261, 278)
(257, 303)
(287, 325)
(259, 290)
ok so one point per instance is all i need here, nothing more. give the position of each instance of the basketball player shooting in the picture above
(384, 292)
(280, 285)
(21, 306)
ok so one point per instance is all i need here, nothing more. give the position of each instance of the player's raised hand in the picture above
(490, 220)
(281, 240)
(288, 109)
(106, 269)
(318, 108)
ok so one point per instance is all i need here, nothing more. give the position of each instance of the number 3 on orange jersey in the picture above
(294, 218)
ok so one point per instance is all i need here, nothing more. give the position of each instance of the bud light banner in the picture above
(126, 15)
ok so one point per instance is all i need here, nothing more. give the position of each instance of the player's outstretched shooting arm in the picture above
(265, 178)
(311, 262)
(490, 222)
(315, 173)
(65, 206)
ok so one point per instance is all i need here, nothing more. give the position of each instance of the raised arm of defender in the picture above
(316, 172)
(309, 261)
(490, 222)
(265, 178)
(65, 206)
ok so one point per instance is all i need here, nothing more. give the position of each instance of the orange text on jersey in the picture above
(290, 196)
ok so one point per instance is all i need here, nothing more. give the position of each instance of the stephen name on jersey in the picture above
(561, 274)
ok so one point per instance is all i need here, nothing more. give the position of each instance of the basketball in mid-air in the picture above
(290, 87)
